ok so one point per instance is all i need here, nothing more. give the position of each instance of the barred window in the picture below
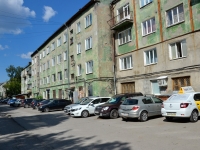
(180, 82)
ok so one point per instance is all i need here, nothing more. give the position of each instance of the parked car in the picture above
(54, 104)
(110, 108)
(43, 103)
(18, 102)
(183, 105)
(140, 107)
(12, 102)
(5, 101)
(68, 108)
(34, 103)
(27, 102)
(87, 107)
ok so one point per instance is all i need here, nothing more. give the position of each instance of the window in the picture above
(35, 59)
(148, 26)
(48, 79)
(65, 37)
(103, 100)
(40, 56)
(44, 80)
(175, 15)
(123, 13)
(156, 89)
(79, 70)
(71, 41)
(53, 77)
(147, 100)
(157, 100)
(59, 59)
(78, 48)
(47, 50)
(58, 42)
(126, 63)
(59, 76)
(150, 57)
(53, 46)
(89, 67)
(48, 64)
(32, 61)
(72, 76)
(88, 20)
(88, 43)
(43, 54)
(65, 55)
(180, 82)
(53, 61)
(66, 74)
(40, 68)
(124, 36)
(78, 27)
(144, 2)
(72, 58)
(178, 50)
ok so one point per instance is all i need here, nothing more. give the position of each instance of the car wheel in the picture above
(169, 118)
(194, 116)
(26, 106)
(114, 114)
(143, 116)
(46, 110)
(84, 114)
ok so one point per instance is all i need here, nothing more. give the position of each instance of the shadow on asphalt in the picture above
(179, 120)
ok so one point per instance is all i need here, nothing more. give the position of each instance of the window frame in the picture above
(79, 68)
(78, 27)
(79, 48)
(122, 36)
(88, 20)
(87, 65)
(145, 24)
(149, 2)
(155, 60)
(122, 62)
(88, 45)
(59, 42)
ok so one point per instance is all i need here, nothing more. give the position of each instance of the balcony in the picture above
(121, 20)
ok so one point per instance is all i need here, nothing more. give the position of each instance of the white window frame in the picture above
(79, 70)
(65, 55)
(89, 67)
(88, 43)
(78, 27)
(88, 20)
(124, 36)
(65, 37)
(126, 63)
(78, 48)
(48, 80)
(182, 50)
(60, 76)
(123, 13)
(66, 74)
(152, 57)
(59, 59)
(59, 42)
(146, 2)
(43, 53)
(40, 68)
(40, 56)
(53, 77)
(47, 50)
(53, 61)
(174, 21)
(32, 61)
(146, 26)
(53, 46)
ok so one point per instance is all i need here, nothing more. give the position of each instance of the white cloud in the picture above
(14, 16)
(3, 47)
(48, 13)
(26, 56)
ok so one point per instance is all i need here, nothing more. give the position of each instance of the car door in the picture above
(94, 104)
(149, 105)
(197, 100)
(158, 105)
(54, 105)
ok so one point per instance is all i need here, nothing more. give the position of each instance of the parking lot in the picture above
(25, 128)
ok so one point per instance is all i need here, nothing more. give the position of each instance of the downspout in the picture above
(191, 16)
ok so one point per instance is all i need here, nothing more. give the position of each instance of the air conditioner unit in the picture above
(162, 82)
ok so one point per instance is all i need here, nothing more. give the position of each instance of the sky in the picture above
(26, 24)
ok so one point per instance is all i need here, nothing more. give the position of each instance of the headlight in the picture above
(77, 109)
(105, 108)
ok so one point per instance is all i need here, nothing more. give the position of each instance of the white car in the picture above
(86, 108)
(186, 105)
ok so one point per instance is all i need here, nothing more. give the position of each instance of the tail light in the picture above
(162, 106)
(135, 107)
(184, 105)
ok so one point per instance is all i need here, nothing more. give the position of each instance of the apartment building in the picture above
(77, 60)
(26, 81)
(156, 45)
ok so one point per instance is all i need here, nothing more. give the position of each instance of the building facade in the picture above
(77, 60)
(156, 45)
(2, 90)
(26, 81)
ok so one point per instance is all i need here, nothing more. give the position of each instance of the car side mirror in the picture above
(91, 104)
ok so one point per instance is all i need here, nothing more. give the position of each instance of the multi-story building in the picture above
(26, 81)
(2, 90)
(77, 60)
(156, 45)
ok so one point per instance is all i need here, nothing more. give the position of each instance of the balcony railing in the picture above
(122, 19)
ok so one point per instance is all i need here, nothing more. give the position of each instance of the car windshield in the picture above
(86, 102)
(114, 100)
(130, 102)
(179, 97)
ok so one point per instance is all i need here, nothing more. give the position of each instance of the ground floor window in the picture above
(156, 89)
(128, 87)
(180, 82)
(54, 93)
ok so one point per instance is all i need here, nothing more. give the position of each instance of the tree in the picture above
(14, 72)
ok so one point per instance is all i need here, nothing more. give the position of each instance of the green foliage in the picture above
(14, 72)
(39, 97)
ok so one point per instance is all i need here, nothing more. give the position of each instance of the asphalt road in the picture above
(28, 129)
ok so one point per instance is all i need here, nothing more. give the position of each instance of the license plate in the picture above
(100, 114)
(123, 114)
(171, 114)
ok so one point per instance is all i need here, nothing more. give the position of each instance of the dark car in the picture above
(27, 102)
(12, 102)
(55, 104)
(34, 103)
(110, 108)
(43, 103)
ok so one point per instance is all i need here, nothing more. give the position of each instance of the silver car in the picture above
(140, 107)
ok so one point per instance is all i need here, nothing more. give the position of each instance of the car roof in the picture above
(98, 97)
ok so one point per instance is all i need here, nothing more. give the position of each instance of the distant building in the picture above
(2, 90)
